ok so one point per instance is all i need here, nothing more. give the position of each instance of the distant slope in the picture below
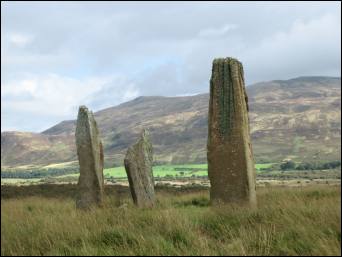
(298, 118)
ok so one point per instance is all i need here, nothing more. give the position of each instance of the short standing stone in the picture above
(90, 156)
(138, 165)
(230, 159)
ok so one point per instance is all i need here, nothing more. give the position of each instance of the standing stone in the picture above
(138, 165)
(230, 159)
(90, 156)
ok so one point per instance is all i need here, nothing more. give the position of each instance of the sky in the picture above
(58, 56)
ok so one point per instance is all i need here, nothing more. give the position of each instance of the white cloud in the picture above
(310, 47)
(217, 32)
(58, 97)
(57, 56)
(115, 90)
(130, 93)
(48, 94)
(18, 88)
(19, 39)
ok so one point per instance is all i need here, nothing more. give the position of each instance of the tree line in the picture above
(291, 165)
(38, 173)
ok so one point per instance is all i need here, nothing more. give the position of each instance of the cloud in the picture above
(116, 90)
(20, 40)
(306, 48)
(56, 56)
(216, 32)
(55, 97)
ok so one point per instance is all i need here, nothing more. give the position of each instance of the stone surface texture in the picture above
(90, 156)
(138, 165)
(230, 158)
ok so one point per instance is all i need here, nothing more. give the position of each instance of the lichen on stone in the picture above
(229, 152)
(222, 84)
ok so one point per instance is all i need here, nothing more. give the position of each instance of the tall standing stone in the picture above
(230, 159)
(138, 165)
(90, 156)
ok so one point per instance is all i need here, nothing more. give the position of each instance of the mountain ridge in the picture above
(289, 119)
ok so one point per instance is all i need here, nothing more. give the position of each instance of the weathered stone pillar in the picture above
(138, 165)
(90, 156)
(230, 159)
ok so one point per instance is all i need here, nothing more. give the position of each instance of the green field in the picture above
(164, 170)
(184, 170)
(169, 172)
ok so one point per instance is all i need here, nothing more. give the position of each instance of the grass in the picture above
(300, 221)
(117, 172)
(183, 170)
(260, 166)
(61, 165)
(18, 180)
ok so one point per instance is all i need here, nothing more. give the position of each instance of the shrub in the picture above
(287, 165)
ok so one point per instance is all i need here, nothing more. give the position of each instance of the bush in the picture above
(319, 166)
(287, 165)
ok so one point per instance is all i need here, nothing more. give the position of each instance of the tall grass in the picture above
(288, 221)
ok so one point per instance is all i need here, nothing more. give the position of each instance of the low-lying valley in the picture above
(177, 175)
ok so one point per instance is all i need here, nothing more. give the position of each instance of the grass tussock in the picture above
(288, 221)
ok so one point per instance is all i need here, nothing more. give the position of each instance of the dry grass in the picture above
(289, 221)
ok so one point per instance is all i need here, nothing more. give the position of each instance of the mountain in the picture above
(298, 118)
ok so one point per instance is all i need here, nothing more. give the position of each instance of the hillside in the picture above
(298, 118)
